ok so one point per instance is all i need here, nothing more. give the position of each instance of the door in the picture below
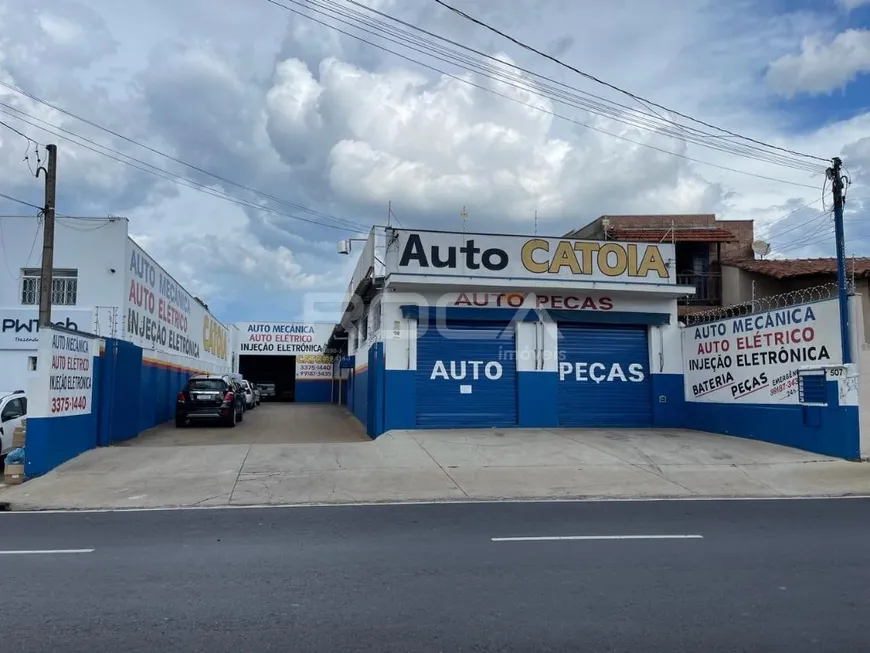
(466, 375)
(604, 376)
(10, 419)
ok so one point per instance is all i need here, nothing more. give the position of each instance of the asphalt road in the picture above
(770, 576)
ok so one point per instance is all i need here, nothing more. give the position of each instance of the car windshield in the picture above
(215, 385)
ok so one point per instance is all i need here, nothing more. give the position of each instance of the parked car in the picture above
(250, 398)
(210, 398)
(266, 389)
(258, 396)
(13, 408)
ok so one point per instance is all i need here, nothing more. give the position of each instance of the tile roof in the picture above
(684, 235)
(800, 267)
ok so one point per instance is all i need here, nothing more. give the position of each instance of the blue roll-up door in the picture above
(466, 375)
(604, 378)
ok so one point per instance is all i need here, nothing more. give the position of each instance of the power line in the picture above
(299, 207)
(508, 97)
(162, 173)
(22, 202)
(618, 89)
(554, 89)
(20, 133)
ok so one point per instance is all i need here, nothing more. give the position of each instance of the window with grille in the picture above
(64, 287)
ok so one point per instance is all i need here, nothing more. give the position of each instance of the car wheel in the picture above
(180, 422)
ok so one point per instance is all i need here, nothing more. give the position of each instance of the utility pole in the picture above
(45, 276)
(464, 215)
(836, 178)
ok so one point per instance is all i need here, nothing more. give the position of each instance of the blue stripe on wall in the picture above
(315, 391)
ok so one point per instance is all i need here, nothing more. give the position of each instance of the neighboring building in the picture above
(701, 244)
(104, 284)
(450, 330)
(749, 279)
(291, 358)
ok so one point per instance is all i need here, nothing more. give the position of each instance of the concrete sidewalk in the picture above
(441, 465)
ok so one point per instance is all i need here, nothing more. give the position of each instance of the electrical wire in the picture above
(351, 226)
(651, 120)
(525, 46)
(497, 73)
(465, 80)
(772, 236)
(22, 202)
(20, 133)
(149, 168)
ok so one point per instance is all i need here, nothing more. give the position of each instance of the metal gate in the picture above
(604, 376)
(466, 375)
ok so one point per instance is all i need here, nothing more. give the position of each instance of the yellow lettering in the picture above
(632, 260)
(214, 339)
(564, 256)
(612, 270)
(652, 262)
(586, 250)
(526, 255)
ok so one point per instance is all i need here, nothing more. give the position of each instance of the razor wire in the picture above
(767, 303)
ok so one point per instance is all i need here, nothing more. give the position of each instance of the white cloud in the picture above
(850, 5)
(318, 120)
(822, 66)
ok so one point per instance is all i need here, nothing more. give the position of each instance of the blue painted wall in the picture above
(537, 398)
(400, 399)
(360, 390)
(831, 430)
(537, 394)
(51, 441)
(669, 400)
(315, 391)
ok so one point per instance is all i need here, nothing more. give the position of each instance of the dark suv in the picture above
(212, 397)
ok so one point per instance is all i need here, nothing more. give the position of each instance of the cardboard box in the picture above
(18, 437)
(14, 475)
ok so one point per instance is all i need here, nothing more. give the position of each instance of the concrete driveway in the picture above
(268, 423)
(435, 466)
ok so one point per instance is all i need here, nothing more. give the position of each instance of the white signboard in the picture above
(19, 327)
(283, 338)
(68, 361)
(159, 314)
(755, 359)
(520, 257)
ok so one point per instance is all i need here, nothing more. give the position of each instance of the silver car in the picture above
(250, 399)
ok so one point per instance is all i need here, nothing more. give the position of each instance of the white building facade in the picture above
(488, 330)
(106, 285)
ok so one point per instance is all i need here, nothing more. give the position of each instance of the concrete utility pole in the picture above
(836, 177)
(45, 275)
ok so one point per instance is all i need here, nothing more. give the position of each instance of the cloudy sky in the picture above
(245, 104)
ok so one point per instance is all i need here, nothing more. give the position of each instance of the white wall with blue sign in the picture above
(776, 376)
(498, 331)
(61, 412)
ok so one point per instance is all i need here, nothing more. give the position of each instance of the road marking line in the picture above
(552, 538)
(44, 551)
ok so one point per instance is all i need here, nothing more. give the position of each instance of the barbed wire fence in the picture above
(764, 304)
